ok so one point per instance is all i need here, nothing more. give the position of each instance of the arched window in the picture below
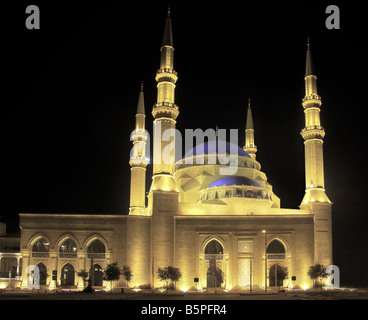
(228, 194)
(41, 245)
(214, 247)
(275, 247)
(68, 246)
(96, 246)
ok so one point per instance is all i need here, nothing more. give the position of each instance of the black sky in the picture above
(71, 91)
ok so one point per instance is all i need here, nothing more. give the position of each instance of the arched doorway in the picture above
(214, 276)
(67, 275)
(276, 257)
(277, 274)
(43, 273)
(97, 275)
(214, 253)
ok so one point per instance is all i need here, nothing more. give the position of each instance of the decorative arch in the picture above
(97, 274)
(89, 240)
(41, 245)
(35, 238)
(65, 237)
(42, 272)
(216, 238)
(68, 272)
(281, 240)
(96, 246)
(214, 247)
(214, 262)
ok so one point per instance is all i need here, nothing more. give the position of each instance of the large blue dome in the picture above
(212, 147)
(234, 180)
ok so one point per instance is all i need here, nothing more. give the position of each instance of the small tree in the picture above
(169, 273)
(163, 275)
(127, 274)
(317, 271)
(219, 276)
(174, 274)
(112, 273)
(84, 275)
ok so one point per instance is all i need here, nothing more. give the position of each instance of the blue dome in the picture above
(212, 147)
(234, 180)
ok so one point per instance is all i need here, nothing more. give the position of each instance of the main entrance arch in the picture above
(276, 256)
(214, 254)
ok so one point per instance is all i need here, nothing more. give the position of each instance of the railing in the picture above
(164, 70)
(165, 104)
(312, 128)
(6, 274)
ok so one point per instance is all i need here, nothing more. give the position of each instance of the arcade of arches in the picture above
(65, 265)
(216, 263)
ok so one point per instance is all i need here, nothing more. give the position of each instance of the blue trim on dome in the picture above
(211, 147)
(234, 180)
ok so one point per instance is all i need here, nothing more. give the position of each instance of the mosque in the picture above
(220, 230)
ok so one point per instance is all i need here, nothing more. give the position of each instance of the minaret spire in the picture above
(315, 200)
(250, 146)
(138, 161)
(167, 39)
(309, 67)
(165, 112)
(313, 135)
(140, 107)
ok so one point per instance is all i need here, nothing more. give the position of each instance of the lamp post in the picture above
(265, 232)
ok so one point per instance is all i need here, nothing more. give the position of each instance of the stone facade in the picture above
(227, 231)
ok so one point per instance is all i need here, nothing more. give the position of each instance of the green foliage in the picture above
(83, 274)
(219, 276)
(112, 272)
(127, 273)
(169, 273)
(318, 271)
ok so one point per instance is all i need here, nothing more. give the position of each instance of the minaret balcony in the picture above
(166, 74)
(165, 109)
(139, 135)
(313, 132)
(138, 161)
(312, 100)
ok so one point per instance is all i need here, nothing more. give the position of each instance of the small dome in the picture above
(212, 147)
(234, 180)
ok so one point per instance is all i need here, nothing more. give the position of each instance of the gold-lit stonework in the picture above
(210, 226)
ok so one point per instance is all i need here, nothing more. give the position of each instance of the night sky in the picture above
(71, 91)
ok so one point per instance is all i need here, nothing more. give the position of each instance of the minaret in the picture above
(138, 161)
(313, 135)
(315, 199)
(164, 194)
(165, 112)
(249, 146)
